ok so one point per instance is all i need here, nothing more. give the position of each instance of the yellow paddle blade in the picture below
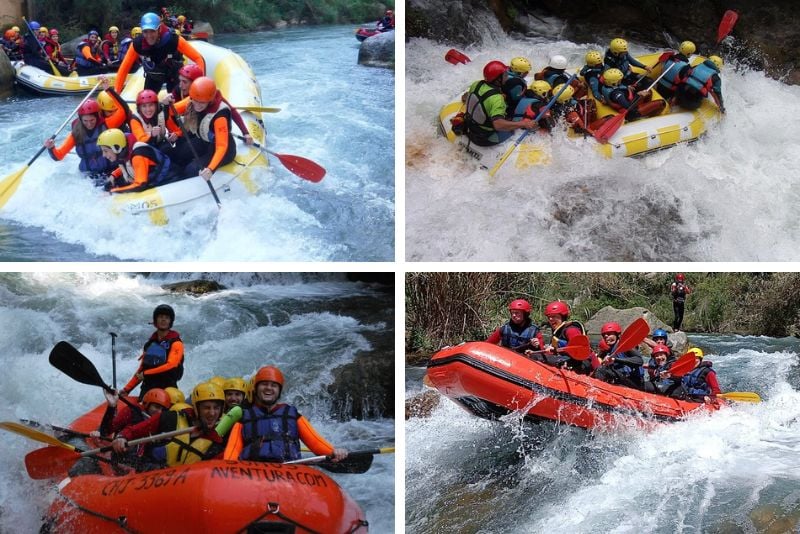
(29, 432)
(741, 396)
(258, 109)
(10, 184)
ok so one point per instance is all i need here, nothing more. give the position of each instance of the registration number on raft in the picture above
(145, 481)
(142, 205)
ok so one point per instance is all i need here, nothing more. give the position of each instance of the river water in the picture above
(306, 324)
(734, 471)
(334, 112)
(728, 197)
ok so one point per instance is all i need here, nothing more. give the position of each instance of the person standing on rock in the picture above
(679, 291)
(519, 332)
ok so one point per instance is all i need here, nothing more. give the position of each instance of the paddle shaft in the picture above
(61, 429)
(148, 439)
(322, 458)
(113, 359)
(179, 121)
(508, 153)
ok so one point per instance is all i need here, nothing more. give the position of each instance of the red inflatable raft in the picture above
(491, 381)
(211, 496)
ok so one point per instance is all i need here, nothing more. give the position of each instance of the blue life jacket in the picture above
(591, 76)
(123, 47)
(91, 155)
(270, 437)
(79, 59)
(511, 339)
(701, 78)
(523, 105)
(695, 381)
(554, 76)
(673, 77)
(514, 88)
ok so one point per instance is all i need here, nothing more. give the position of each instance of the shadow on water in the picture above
(27, 243)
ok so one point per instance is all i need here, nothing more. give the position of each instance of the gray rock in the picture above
(6, 76)
(377, 51)
(194, 287)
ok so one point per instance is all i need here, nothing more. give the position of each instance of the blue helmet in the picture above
(150, 21)
(659, 332)
(34, 25)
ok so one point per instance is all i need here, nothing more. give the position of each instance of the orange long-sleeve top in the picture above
(115, 120)
(137, 128)
(174, 359)
(132, 55)
(221, 134)
(141, 172)
(308, 435)
(87, 53)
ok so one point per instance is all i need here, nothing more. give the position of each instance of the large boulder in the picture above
(6, 76)
(194, 287)
(377, 51)
(680, 342)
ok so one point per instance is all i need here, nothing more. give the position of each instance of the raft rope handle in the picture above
(121, 521)
(274, 508)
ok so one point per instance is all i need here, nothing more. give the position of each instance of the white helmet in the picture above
(558, 62)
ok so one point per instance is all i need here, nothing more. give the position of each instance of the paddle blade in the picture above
(633, 335)
(455, 57)
(683, 365)
(10, 184)
(609, 128)
(354, 463)
(741, 396)
(578, 348)
(50, 462)
(28, 432)
(71, 362)
(726, 24)
(302, 167)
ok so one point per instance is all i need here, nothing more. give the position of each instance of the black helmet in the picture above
(164, 309)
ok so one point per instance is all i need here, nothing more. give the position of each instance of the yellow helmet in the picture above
(207, 391)
(594, 58)
(520, 65)
(612, 77)
(566, 95)
(697, 352)
(15, 28)
(618, 45)
(106, 101)
(44, 29)
(181, 18)
(716, 60)
(179, 407)
(687, 48)
(175, 394)
(235, 384)
(135, 31)
(113, 139)
(113, 29)
(540, 88)
(218, 380)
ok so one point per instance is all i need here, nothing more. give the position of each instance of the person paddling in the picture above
(625, 368)
(520, 331)
(557, 314)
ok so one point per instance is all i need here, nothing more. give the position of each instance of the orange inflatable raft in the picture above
(212, 496)
(491, 381)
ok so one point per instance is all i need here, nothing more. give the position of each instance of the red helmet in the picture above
(146, 96)
(158, 396)
(660, 348)
(273, 374)
(90, 107)
(557, 308)
(53, 31)
(611, 328)
(520, 304)
(203, 89)
(679, 277)
(191, 71)
(493, 70)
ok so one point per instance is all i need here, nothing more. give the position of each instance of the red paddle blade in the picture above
(50, 462)
(455, 57)
(683, 365)
(578, 348)
(609, 128)
(726, 24)
(633, 335)
(302, 167)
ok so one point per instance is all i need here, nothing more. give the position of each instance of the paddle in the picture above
(179, 121)
(52, 462)
(610, 127)
(726, 24)
(241, 108)
(302, 167)
(632, 336)
(455, 57)
(577, 348)
(356, 461)
(60, 429)
(683, 365)
(113, 359)
(741, 396)
(71, 362)
(56, 72)
(511, 149)
(10, 183)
